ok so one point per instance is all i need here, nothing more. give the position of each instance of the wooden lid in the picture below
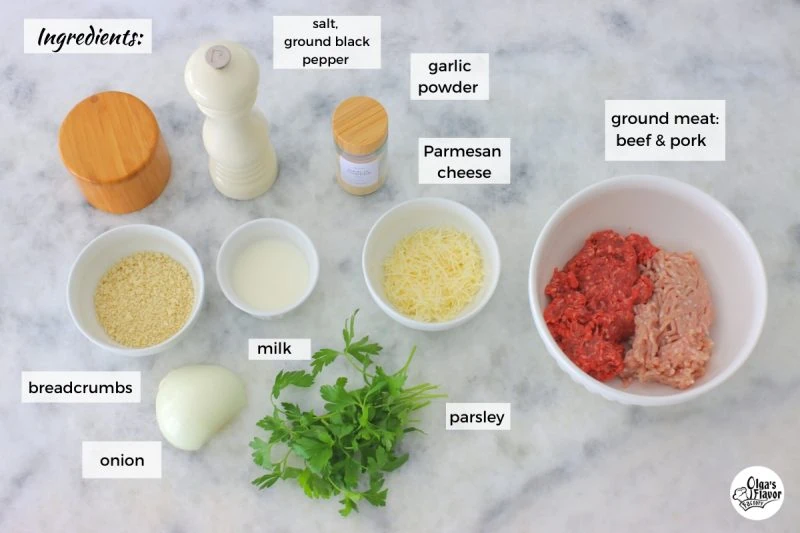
(360, 125)
(108, 137)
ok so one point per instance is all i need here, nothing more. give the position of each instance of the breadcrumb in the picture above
(144, 299)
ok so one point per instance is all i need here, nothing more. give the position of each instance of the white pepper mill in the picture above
(222, 77)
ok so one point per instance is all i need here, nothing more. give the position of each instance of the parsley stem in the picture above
(408, 361)
(362, 369)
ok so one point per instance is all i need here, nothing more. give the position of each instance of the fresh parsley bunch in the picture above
(347, 449)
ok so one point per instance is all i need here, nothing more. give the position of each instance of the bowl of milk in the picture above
(267, 267)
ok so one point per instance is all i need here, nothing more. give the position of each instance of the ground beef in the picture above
(671, 344)
(591, 312)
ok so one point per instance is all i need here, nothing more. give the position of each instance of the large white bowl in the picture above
(254, 231)
(676, 217)
(414, 215)
(101, 254)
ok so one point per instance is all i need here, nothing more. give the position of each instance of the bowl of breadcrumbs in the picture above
(136, 290)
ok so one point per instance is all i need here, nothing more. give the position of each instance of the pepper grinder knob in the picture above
(222, 77)
(218, 56)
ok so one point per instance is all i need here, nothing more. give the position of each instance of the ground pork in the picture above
(671, 343)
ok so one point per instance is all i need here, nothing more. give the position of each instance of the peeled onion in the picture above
(194, 402)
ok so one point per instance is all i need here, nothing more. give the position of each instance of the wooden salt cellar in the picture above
(111, 143)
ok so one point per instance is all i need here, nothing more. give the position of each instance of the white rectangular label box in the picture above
(88, 36)
(326, 42)
(82, 387)
(461, 159)
(279, 349)
(674, 130)
(121, 459)
(429, 82)
(477, 416)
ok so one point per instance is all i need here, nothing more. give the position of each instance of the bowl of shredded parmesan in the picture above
(431, 264)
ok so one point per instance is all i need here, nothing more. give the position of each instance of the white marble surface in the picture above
(573, 461)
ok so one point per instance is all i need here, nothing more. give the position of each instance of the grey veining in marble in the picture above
(572, 461)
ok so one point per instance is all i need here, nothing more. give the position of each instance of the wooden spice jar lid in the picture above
(111, 143)
(360, 125)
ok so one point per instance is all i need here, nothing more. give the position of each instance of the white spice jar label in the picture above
(360, 174)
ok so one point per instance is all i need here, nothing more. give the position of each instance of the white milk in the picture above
(270, 275)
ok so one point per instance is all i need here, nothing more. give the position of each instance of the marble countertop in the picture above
(572, 461)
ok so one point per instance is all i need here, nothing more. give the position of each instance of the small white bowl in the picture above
(676, 217)
(101, 254)
(413, 215)
(254, 231)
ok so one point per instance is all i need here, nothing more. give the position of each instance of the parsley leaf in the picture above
(323, 358)
(298, 378)
(261, 452)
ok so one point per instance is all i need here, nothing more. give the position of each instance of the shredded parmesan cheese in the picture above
(433, 274)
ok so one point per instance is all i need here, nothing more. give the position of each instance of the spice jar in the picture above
(360, 132)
